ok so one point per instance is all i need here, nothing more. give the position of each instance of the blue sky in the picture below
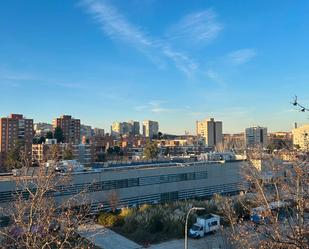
(174, 61)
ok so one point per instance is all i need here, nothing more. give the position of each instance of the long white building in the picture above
(152, 183)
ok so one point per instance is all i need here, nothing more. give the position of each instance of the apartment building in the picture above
(116, 129)
(13, 129)
(98, 132)
(70, 128)
(301, 137)
(41, 153)
(135, 127)
(211, 131)
(125, 128)
(150, 128)
(256, 136)
(86, 131)
(84, 153)
(41, 129)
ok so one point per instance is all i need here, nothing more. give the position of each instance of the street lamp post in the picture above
(186, 225)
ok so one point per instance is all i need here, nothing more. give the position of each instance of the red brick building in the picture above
(14, 129)
(70, 128)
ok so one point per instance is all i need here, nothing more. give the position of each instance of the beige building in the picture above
(301, 137)
(70, 128)
(41, 153)
(150, 128)
(125, 128)
(210, 130)
(116, 128)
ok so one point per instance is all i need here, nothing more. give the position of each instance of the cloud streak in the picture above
(156, 107)
(241, 56)
(117, 27)
(198, 27)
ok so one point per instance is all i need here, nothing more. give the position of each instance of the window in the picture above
(214, 223)
(169, 196)
(122, 183)
(201, 175)
(107, 185)
(133, 182)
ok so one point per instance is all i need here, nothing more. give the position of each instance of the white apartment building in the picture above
(256, 136)
(301, 137)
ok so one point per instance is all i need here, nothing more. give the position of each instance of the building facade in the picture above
(116, 129)
(86, 131)
(70, 128)
(211, 131)
(152, 183)
(83, 153)
(98, 132)
(256, 136)
(234, 141)
(41, 129)
(13, 130)
(130, 128)
(150, 128)
(301, 137)
(135, 127)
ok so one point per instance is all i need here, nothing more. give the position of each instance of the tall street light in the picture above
(186, 225)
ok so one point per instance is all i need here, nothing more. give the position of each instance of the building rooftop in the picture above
(31, 172)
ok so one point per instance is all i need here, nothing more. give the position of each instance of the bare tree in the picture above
(40, 219)
(282, 197)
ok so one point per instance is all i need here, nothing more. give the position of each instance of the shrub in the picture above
(140, 235)
(144, 207)
(156, 224)
(126, 212)
(108, 219)
(130, 226)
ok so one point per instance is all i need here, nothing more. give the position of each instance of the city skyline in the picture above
(102, 61)
(109, 126)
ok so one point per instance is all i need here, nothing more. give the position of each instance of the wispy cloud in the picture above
(215, 77)
(156, 107)
(197, 27)
(116, 26)
(241, 56)
(10, 75)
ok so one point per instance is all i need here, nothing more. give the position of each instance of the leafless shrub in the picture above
(280, 190)
(41, 216)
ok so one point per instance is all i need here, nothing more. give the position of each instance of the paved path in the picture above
(105, 238)
(208, 242)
